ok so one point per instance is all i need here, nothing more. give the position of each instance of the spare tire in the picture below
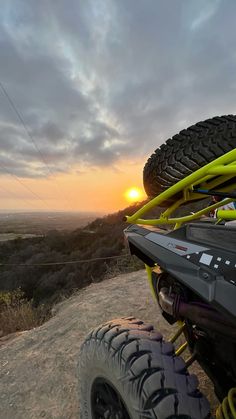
(187, 151)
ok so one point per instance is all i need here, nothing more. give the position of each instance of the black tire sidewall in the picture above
(142, 369)
(100, 364)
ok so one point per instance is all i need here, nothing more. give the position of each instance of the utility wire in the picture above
(22, 122)
(24, 200)
(24, 185)
(15, 196)
(71, 262)
(21, 119)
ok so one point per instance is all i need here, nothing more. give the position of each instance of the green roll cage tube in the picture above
(204, 180)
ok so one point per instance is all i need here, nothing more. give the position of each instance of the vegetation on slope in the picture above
(43, 285)
(101, 238)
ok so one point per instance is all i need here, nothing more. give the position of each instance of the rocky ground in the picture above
(38, 368)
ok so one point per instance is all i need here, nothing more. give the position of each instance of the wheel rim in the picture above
(106, 401)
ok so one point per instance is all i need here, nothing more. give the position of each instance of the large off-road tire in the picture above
(127, 371)
(187, 151)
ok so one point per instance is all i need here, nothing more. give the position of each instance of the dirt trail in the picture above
(38, 367)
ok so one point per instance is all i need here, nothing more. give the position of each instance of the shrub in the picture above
(123, 265)
(17, 314)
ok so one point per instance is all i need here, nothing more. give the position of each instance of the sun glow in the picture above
(134, 194)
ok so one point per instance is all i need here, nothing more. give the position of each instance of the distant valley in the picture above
(31, 224)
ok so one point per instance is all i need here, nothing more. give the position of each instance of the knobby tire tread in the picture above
(187, 152)
(154, 378)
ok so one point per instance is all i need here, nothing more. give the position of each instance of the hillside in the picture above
(38, 367)
(101, 238)
(37, 272)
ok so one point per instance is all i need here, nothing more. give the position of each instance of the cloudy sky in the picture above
(89, 88)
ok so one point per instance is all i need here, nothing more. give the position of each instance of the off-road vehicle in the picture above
(127, 370)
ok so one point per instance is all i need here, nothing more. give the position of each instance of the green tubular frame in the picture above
(209, 177)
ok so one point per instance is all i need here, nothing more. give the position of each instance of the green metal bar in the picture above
(216, 181)
(184, 186)
(183, 219)
(149, 274)
(204, 180)
(226, 214)
(223, 170)
(172, 208)
(181, 349)
(177, 333)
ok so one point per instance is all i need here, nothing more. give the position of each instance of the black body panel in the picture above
(199, 255)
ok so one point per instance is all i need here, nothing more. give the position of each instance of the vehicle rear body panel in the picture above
(201, 255)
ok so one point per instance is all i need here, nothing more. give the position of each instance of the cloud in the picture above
(203, 11)
(101, 81)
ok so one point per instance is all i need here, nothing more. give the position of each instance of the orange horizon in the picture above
(97, 190)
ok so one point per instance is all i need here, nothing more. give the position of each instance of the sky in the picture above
(90, 88)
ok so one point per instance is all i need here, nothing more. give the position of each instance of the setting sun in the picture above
(134, 194)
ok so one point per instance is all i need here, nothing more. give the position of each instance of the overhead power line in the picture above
(21, 119)
(15, 196)
(70, 262)
(23, 123)
(24, 185)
